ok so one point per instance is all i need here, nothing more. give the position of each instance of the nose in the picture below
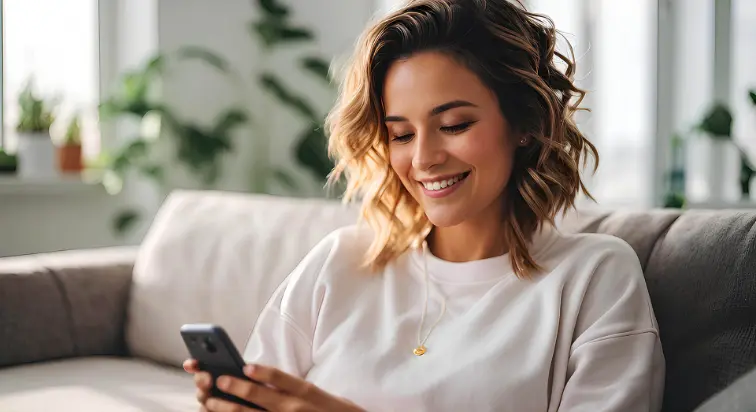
(429, 151)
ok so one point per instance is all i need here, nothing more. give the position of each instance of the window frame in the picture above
(106, 52)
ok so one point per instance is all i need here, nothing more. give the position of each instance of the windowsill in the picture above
(719, 205)
(12, 185)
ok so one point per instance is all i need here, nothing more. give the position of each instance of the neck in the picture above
(474, 239)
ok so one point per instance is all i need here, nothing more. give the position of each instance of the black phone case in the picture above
(217, 355)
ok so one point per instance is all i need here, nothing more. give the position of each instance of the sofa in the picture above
(98, 330)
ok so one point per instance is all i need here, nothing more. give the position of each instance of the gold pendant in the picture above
(419, 351)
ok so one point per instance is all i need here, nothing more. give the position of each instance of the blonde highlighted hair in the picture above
(513, 52)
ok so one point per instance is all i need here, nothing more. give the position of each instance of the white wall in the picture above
(223, 27)
(48, 222)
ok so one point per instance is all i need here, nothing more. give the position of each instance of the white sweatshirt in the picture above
(581, 336)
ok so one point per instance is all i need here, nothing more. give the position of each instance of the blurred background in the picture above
(108, 105)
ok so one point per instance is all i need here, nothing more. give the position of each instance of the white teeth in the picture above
(442, 184)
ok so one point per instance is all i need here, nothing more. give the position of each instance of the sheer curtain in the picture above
(615, 49)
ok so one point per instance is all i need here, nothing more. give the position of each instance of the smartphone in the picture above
(216, 354)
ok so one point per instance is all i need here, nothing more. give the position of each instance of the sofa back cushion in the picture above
(217, 257)
(700, 267)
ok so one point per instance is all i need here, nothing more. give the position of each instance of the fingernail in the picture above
(223, 382)
(249, 370)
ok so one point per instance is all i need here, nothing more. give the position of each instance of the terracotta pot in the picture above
(70, 159)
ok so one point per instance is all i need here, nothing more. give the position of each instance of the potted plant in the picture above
(36, 152)
(69, 151)
(7, 163)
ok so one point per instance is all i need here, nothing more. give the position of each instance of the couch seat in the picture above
(96, 384)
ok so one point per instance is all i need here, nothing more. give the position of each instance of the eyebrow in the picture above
(436, 110)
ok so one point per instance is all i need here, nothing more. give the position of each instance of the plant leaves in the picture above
(273, 8)
(717, 122)
(317, 66)
(154, 172)
(125, 220)
(312, 153)
(155, 65)
(752, 95)
(205, 55)
(274, 32)
(297, 103)
(232, 118)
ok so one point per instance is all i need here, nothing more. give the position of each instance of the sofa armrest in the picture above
(738, 397)
(64, 304)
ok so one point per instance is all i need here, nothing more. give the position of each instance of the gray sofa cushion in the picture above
(700, 268)
(738, 397)
(64, 304)
(33, 325)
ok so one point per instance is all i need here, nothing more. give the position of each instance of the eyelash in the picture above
(455, 129)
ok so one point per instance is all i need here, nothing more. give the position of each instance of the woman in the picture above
(454, 126)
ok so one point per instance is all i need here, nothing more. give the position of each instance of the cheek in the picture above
(488, 150)
(400, 161)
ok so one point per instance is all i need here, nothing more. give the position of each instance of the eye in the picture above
(403, 138)
(457, 128)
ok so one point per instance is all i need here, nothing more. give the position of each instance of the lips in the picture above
(444, 183)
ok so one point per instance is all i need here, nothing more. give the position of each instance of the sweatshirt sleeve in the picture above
(283, 334)
(616, 362)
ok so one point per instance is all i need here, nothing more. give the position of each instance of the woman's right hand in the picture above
(202, 380)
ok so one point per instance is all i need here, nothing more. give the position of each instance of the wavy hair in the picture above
(513, 52)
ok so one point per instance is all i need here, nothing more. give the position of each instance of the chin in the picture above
(444, 218)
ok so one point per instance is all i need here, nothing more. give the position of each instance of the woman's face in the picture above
(448, 141)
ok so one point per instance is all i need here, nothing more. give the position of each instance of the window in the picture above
(744, 72)
(614, 45)
(56, 43)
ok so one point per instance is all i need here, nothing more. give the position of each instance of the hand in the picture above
(276, 392)
(202, 380)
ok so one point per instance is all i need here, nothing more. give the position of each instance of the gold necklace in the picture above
(421, 349)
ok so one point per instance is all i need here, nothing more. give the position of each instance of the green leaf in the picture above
(274, 32)
(273, 8)
(155, 65)
(125, 220)
(270, 83)
(717, 122)
(110, 108)
(154, 172)
(752, 95)
(283, 177)
(232, 118)
(317, 66)
(312, 153)
(205, 55)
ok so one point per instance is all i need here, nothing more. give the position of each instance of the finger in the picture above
(202, 396)
(203, 380)
(268, 398)
(220, 405)
(283, 381)
(191, 366)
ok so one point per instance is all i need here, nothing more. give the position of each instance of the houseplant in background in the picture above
(36, 152)
(8, 163)
(198, 148)
(274, 29)
(729, 162)
(69, 150)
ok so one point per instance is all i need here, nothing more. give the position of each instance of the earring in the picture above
(523, 141)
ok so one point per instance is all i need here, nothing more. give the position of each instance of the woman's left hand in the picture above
(277, 392)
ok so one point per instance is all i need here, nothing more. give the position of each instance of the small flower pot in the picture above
(70, 159)
(36, 155)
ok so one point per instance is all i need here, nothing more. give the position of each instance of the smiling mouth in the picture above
(443, 184)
